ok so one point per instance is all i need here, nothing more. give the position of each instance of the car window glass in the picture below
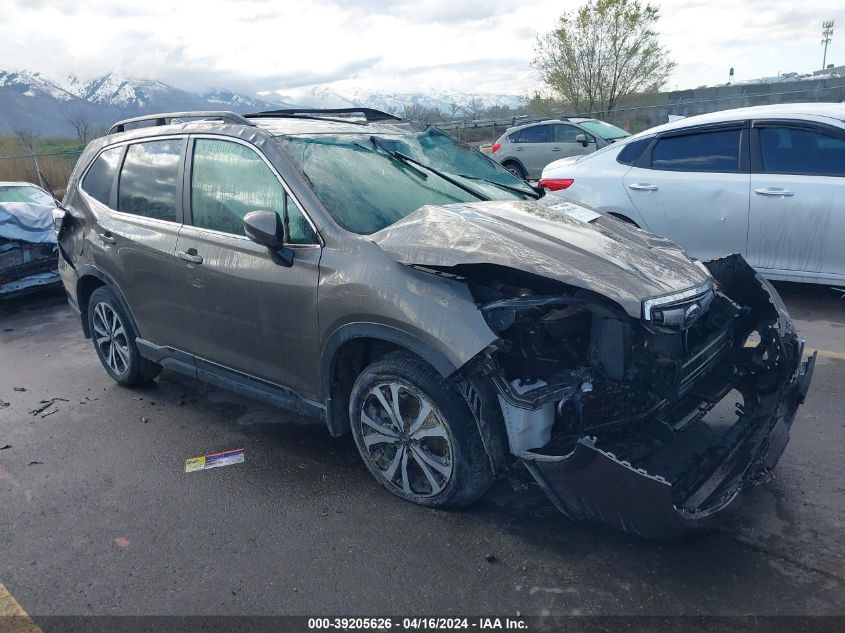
(148, 180)
(229, 180)
(516, 137)
(604, 130)
(566, 133)
(801, 151)
(705, 151)
(364, 188)
(535, 134)
(632, 151)
(98, 181)
(18, 193)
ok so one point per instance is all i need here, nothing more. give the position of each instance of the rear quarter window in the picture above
(98, 181)
(631, 153)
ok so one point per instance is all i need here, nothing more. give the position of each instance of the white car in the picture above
(767, 182)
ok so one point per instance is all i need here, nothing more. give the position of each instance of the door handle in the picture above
(190, 256)
(107, 238)
(781, 193)
(643, 186)
(555, 149)
(518, 149)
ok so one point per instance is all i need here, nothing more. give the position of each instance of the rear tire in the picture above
(514, 168)
(114, 340)
(433, 455)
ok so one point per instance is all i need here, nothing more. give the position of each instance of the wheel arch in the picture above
(352, 347)
(91, 278)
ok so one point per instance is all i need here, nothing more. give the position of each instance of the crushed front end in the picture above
(623, 420)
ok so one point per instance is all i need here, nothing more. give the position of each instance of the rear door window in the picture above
(801, 151)
(535, 134)
(98, 181)
(149, 180)
(716, 151)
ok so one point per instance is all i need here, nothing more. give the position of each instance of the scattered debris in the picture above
(18, 388)
(490, 557)
(214, 460)
(35, 463)
(3, 404)
(5, 446)
(50, 413)
(46, 404)
(120, 541)
(142, 419)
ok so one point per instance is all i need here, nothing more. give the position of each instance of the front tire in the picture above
(416, 434)
(515, 168)
(114, 340)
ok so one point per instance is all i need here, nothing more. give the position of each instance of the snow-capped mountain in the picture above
(395, 102)
(229, 100)
(32, 84)
(47, 105)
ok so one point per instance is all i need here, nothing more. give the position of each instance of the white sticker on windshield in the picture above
(575, 211)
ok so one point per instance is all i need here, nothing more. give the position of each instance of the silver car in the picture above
(767, 182)
(524, 150)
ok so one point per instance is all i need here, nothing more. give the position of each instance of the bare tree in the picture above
(82, 127)
(453, 110)
(27, 138)
(602, 53)
(474, 107)
(418, 112)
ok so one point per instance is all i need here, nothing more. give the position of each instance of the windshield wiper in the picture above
(533, 192)
(411, 161)
(402, 164)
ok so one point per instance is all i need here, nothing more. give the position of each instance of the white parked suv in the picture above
(767, 182)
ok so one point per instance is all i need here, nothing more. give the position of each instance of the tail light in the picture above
(555, 184)
(496, 147)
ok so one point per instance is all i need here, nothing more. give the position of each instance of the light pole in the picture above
(827, 34)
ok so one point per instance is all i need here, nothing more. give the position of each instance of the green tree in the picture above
(603, 52)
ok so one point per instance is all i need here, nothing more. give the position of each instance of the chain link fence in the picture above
(681, 103)
(50, 170)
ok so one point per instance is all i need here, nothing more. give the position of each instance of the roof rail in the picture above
(166, 118)
(370, 114)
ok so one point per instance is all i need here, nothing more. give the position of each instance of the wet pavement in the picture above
(97, 515)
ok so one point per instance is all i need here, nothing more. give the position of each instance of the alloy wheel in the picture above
(110, 337)
(406, 440)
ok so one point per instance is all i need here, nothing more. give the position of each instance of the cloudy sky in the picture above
(404, 45)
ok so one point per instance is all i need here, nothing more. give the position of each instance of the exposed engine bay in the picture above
(610, 413)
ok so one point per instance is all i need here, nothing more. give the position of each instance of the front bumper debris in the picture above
(593, 484)
(679, 470)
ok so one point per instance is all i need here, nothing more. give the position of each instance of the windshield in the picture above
(18, 193)
(365, 188)
(604, 130)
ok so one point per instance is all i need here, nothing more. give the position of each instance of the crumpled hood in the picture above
(27, 222)
(551, 237)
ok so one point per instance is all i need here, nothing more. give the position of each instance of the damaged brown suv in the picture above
(401, 286)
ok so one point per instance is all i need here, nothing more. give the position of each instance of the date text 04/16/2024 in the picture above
(418, 624)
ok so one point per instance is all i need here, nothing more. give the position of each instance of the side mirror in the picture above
(582, 138)
(265, 228)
